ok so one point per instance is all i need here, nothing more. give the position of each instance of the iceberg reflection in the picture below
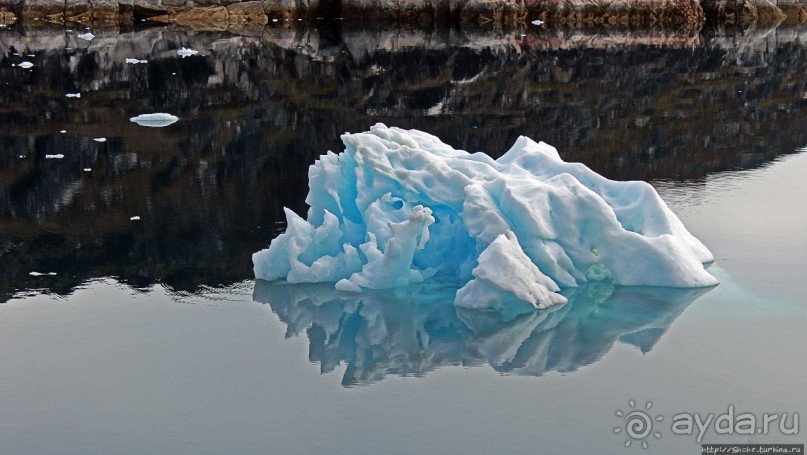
(382, 333)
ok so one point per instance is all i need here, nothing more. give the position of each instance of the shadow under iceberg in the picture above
(381, 333)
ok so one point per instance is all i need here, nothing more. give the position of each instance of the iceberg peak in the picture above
(400, 206)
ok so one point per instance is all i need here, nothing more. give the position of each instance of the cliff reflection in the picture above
(256, 110)
(383, 333)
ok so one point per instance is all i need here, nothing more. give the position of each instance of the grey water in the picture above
(151, 335)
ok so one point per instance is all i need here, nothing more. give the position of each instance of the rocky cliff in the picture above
(237, 14)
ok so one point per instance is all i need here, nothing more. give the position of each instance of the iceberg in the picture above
(157, 120)
(185, 52)
(399, 207)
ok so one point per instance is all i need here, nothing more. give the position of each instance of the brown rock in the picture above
(7, 17)
(41, 9)
(247, 14)
(201, 18)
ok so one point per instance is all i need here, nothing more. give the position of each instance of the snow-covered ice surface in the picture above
(157, 120)
(400, 206)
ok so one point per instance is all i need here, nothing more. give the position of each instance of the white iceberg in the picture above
(185, 52)
(157, 120)
(86, 36)
(400, 206)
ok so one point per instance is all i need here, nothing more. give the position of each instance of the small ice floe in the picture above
(58, 156)
(42, 274)
(86, 169)
(73, 95)
(135, 218)
(185, 52)
(157, 120)
(62, 131)
(537, 22)
(26, 65)
(99, 139)
(135, 61)
(86, 36)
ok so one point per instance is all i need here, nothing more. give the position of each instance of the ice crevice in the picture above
(400, 206)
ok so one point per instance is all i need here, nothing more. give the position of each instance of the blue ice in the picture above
(400, 206)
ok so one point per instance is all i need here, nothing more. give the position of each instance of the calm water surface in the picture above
(152, 336)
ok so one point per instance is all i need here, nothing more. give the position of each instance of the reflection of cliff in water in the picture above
(256, 111)
(381, 333)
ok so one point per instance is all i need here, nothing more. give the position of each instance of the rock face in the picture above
(222, 14)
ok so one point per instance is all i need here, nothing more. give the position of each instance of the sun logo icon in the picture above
(638, 424)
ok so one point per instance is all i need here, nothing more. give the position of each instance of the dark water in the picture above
(152, 336)
(256, 111)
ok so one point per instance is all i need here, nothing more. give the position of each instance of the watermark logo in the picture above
(638, 424)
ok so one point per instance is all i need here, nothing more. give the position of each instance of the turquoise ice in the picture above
(400, 207)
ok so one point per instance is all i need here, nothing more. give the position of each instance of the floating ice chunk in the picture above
(135, 218)
(86, 36)
(399, 206)
(99, 139)
(135, 61)
(26, 65)
(537, 22)
(73, 95)
(505, 269)
(157, 120)
(185, 52)
(57, 156)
